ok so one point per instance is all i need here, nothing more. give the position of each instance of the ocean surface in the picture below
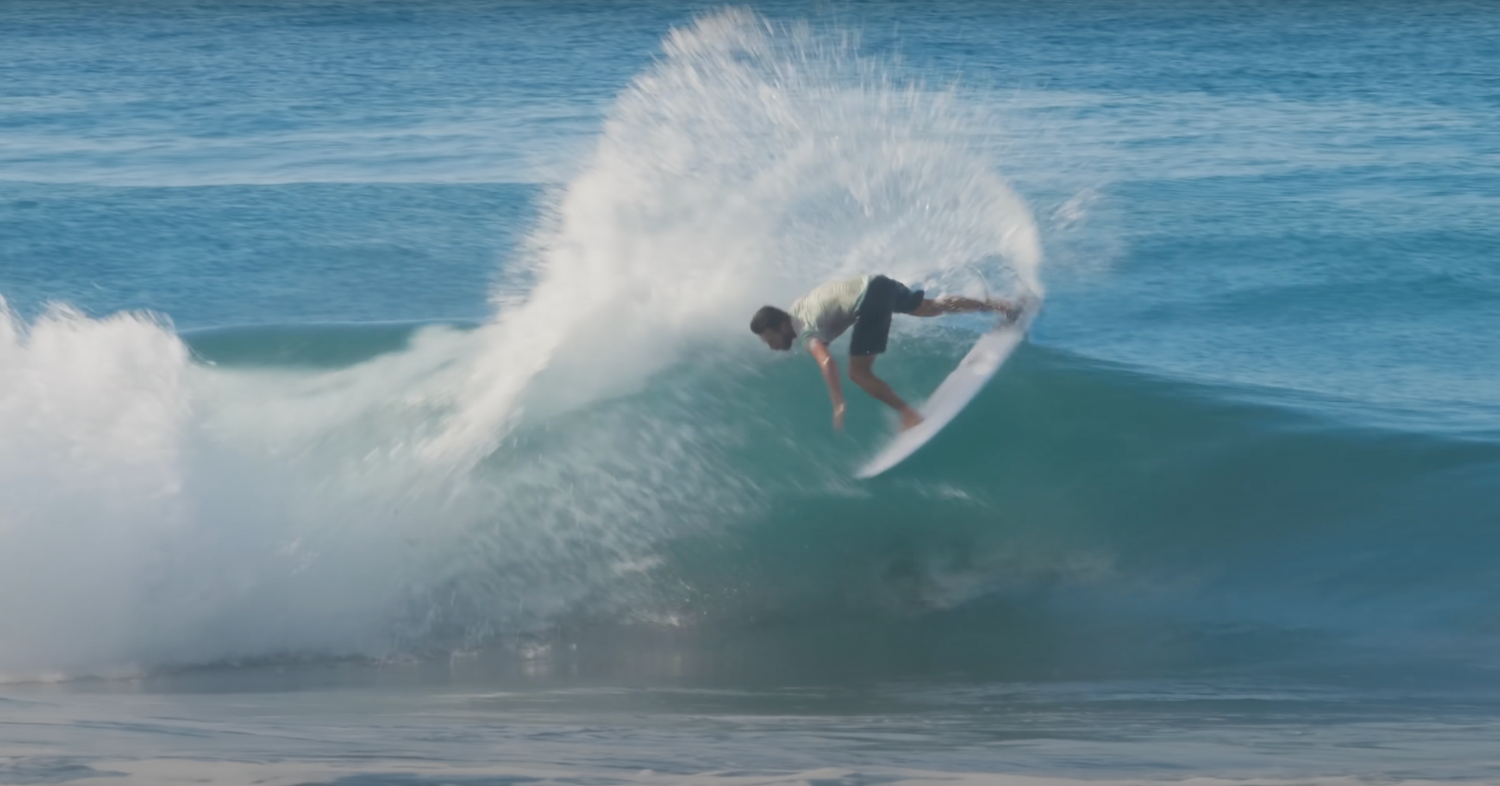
(377, 405)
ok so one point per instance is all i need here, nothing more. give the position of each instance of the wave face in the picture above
(254, 499)
(611, 463)
(475, 483)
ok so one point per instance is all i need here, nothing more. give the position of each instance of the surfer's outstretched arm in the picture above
(955, 304)
(830, 369)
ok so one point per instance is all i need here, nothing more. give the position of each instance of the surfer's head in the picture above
(774, 327)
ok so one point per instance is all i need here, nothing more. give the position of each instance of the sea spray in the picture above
(465, 485)
(753, 161)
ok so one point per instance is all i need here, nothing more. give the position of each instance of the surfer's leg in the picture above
(872, 328)
(862, 372)
(955, 304)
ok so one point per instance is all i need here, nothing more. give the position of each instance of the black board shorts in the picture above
(872, 320)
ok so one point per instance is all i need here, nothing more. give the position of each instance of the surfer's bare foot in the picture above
(909, 418)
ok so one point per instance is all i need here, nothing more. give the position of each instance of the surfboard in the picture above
(964, 383)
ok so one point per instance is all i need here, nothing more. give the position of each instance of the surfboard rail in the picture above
(978, 366)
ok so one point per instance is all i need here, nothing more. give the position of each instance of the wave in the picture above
(609, 462)
(1080, 518)
(1078, 512)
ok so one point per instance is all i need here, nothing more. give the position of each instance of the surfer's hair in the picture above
(768, 317)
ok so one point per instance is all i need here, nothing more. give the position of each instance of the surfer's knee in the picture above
(927, 308)
(860, 372)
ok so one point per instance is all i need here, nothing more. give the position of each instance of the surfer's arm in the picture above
(830, 369)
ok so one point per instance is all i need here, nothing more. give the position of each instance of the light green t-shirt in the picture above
(828, 310)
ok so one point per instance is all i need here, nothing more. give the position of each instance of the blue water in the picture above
(377, 406)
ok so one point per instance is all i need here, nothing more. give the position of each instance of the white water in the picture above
(751, 163)
(139, 527)
(155, 511)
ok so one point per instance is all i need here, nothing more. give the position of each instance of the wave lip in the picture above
(751, 162)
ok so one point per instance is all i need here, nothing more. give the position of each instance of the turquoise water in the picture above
(378, 406)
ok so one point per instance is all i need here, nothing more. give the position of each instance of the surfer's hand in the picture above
(838, 417)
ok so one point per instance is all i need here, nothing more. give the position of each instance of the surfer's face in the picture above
(777, 338)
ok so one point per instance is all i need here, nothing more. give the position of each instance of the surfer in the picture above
(866, 304)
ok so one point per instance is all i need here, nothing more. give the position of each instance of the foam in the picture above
(749, 164)
(160, 511)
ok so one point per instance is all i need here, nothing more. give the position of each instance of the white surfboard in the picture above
(961, 386)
